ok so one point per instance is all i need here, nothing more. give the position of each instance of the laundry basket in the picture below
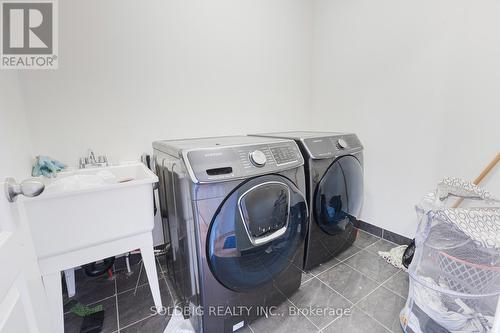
(455, 273)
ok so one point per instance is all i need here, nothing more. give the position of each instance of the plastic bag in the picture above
(177, 324)
(408, 254)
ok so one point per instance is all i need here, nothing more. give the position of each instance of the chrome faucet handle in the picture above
(92, 156)
(82, 162)
(93, 161)
(29, 188)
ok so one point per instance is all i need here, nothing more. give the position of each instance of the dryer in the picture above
(237, 217)
(334, 177)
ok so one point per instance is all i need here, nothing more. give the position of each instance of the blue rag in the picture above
(47, 167)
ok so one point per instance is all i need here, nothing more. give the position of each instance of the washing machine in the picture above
(237, 216)
(334, 178)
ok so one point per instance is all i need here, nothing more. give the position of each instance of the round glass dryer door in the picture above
(339, 195)
(256, 232)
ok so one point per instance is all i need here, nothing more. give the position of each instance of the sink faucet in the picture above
(92, 157)
(92, 162)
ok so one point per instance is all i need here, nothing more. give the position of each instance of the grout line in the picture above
(393, 291)
(117, 310)
(370, 278)
(352, 255)
(336, 264)
(366, 296)
(369, 233)
(378, 241)
(382, 240)
(344, 260)
(136, 287)
(330, 324)
(159, 264)
(367, 246)
(356, 303)
(250, 328)
(293, 304)
(347, 258)
(375, 319)
(169, 292)
(164, 276)
(378, 287)
(305, 281)
(130, 289)
(348, 301)
(365, 249)
(127, 290)
(138, 321)
(382, 285)
(290, 301)
(139, 277)
(335, 291)
(398, 270)
(315, 275)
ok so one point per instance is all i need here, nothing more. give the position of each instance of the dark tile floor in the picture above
(369, 291)
(126, 308)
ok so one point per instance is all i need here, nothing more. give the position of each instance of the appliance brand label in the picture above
(213, 154)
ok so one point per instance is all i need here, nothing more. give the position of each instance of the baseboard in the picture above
(383, 233)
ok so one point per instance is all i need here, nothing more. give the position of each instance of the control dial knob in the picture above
(258, 158)
(341, 143)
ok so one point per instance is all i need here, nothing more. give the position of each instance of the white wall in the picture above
(409, 77)
(15, 146)
(15, 143)
(136, 71)
(418, 81)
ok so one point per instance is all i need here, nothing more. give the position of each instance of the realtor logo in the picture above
(29, 39)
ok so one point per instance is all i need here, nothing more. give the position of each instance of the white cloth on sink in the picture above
(81, 182)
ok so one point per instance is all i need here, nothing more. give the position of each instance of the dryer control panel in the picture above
(331, 146)
(227, 163)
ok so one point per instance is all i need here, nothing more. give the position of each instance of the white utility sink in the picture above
(63, 220)
(90, 214)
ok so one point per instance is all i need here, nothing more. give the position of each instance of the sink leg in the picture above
(148, 258)
(53, 289)
(69, 276)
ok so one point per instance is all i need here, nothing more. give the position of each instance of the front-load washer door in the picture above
(256, 232)
(339, 195)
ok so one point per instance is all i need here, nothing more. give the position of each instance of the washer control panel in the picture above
(258, 158)
(225, 163)
(284, 155)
